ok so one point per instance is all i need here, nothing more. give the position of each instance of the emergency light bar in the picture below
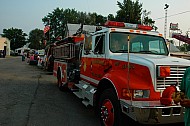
(114, 24)
(127, 25)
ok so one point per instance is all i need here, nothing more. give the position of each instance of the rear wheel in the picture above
(109, 109)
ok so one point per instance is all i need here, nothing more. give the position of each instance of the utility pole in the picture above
(165, 26)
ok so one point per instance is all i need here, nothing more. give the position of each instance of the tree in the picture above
(91, 17)
(111, 17)
(16, 37)
(146, 20)
(132, 12)
(36, 39)
(182, 48)
(71, 16)
(100, 20)
(57, 22)
(129, 11)
(185, 47)
(58, 19)
(188, 47)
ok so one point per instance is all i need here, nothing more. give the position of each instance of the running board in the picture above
(85, 102)
(86, 92)
(78, 94)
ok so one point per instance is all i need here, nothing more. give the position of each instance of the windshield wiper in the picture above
(148, 52)
(121, 51)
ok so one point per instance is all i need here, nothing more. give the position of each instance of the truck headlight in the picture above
(141, 93)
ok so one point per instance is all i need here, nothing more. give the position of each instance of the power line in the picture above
(172, 15)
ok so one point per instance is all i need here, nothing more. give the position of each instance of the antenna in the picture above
(128, 68)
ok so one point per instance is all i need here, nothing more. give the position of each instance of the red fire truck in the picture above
(121, 68)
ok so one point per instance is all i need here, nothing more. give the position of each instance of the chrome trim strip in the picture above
(90, 79)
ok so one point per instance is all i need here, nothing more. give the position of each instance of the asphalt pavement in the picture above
(29, 97)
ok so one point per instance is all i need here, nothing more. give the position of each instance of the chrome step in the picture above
(78, 94)
(85, 102)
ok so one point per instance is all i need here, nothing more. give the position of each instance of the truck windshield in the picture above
(139, 43)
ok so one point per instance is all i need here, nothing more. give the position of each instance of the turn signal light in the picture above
(126, 93)
(163, 71)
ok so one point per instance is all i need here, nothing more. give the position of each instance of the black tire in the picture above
(109, 109)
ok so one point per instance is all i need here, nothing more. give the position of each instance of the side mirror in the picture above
(86, 52)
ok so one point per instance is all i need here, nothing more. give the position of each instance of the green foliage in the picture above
(185, 47)
(146, 20)
(129, 11)
(132, 12)
(16, 37)
(111, 17)
(182, 48)
(58, 19)
(188, 47)
(36, 39)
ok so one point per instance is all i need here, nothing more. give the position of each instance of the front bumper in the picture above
(152, 112)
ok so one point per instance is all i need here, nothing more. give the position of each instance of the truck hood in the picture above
(145, 59)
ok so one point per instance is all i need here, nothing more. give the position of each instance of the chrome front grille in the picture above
(176, 75)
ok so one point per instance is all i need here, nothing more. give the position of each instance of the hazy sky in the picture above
(27, 14)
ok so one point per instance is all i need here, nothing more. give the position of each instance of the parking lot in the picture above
(29, 97)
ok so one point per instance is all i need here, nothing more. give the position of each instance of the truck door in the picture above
(85, 67)
(99, 60)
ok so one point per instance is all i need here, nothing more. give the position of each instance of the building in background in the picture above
(4, 47)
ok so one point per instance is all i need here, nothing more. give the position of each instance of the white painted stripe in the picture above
(90, 79)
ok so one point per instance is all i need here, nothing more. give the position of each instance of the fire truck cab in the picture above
(121, 68)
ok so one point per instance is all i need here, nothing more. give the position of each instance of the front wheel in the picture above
(109, 109)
